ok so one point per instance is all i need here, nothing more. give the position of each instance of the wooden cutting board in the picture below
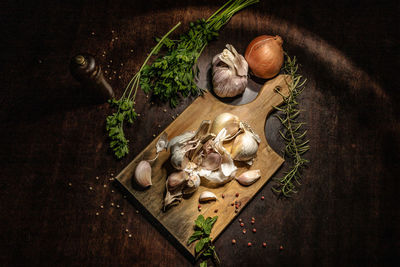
(178, 221)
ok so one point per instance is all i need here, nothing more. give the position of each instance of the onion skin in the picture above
(264, 55)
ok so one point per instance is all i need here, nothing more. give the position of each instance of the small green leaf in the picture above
(200, 245)
(203, 264)
(195, 236)
(200, 221)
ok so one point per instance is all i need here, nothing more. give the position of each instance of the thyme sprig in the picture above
(125, 106)
(296, 143)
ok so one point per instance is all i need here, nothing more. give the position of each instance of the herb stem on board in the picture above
(125, 106)
(295, 142)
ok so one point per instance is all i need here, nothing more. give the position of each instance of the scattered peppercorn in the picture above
(130, 235)
(232, 204)
(237, 194)
(233, 241)
(241, 224)
(280, 247)
(249, 244)
(216, 210)
(244, 231)
(262, 197)
(223, 196)
(240, 220)
(264, 244)
(122, 214)
(254, 230)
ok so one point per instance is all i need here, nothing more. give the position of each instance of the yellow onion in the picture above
(265, 56)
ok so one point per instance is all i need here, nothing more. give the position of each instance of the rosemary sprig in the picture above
(125, 106)
(295, 139)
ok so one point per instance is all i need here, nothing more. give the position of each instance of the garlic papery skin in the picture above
(228, 121)
(143, 174)
(192, 184)
(244, 147)
(206, 196)
(229, 71)
(249, 177)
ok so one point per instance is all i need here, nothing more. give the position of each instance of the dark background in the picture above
(52, 134)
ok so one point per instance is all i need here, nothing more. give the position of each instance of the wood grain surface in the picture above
(53, 142)
(179, 220)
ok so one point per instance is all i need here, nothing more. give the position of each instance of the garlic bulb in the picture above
(229, 71)
(143, 174)
(207, 196)
(244, 146)
(249, 177)
(228, 121)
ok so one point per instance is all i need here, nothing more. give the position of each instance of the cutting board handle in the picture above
(267, 98)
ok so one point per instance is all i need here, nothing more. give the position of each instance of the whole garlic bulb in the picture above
(229, 71)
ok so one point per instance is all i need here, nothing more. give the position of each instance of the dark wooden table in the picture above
(54, 145)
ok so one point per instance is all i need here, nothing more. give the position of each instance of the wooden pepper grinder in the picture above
(83, 67)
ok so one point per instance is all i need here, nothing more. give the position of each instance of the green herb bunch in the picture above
(295, 138)
(125, 107)
(173, 74)
(204, 247)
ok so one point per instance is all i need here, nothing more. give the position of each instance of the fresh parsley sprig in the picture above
(204, 247)
(172, 75)
(295, 139)
(125, 106)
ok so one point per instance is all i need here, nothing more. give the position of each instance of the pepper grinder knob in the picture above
(83, 68)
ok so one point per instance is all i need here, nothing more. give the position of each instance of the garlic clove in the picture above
(225, 120)
(176, 180)
(249, 177)
(244, 147)
(206, 196)
(212, 161)
(143, 174)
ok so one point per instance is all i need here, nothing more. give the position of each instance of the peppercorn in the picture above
(254, 230)
(249, 244)
(262, 197)
(233, 241)
(280, 247)
(241, 224)
(264, 244)
(237, 194)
